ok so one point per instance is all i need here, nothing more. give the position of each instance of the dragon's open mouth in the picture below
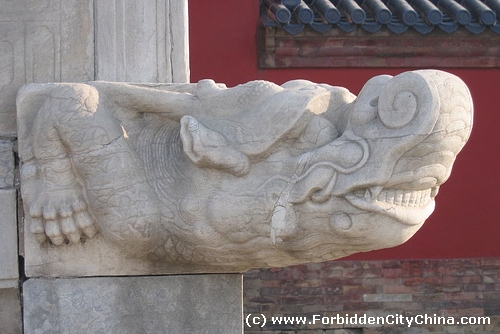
(407, 206)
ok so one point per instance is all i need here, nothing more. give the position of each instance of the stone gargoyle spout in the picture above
(259, 175)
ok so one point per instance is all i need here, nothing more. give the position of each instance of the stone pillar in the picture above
(40, 41)
(142, 40)
(155, 304)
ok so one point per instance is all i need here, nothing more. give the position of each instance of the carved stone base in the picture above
(96, 258)
(168, 304)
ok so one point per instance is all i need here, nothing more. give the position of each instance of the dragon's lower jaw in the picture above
(410, 207)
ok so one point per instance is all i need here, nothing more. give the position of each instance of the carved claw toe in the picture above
(85, 223)
(53, 231)
(38, 230)
(69, 229)
(59, 216)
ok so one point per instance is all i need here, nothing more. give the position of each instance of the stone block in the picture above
(42, 41)
(141, 40)
(6, 164)
(10, 311)
(167, 304)
(8, 239)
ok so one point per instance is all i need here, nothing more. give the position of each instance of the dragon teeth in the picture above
(405, 197)
(399, 197)
(390, 196)
(375, 191)
(413, 198)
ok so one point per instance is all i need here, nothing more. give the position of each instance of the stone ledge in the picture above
(9, 283)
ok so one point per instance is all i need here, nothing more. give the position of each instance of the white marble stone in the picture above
(142, 41)
(42, 41)
(134, 178)
(7, 164)
(9, 272)
(171, 304)
(53, 41)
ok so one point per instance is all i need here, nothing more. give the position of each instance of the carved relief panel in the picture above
(42, 41)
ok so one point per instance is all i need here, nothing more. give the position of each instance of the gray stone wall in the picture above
(73, 41)
(10, 306)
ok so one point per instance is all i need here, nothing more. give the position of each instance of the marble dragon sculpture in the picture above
(256, 175)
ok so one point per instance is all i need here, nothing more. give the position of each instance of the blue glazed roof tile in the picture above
(371, 15)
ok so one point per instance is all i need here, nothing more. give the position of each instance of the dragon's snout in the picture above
(415, 124)
(422, 121)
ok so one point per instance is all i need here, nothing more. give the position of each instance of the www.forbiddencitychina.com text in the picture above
(260, 320)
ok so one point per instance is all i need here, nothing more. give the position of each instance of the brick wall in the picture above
(336, 48)
(444, 288)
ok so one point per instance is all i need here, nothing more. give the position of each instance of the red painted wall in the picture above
(465, 222)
